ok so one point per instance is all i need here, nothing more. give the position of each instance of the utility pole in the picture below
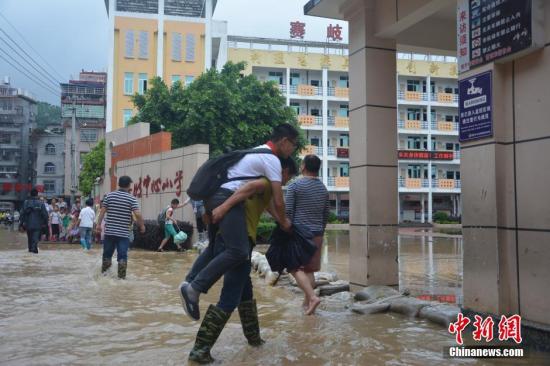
(73, 154)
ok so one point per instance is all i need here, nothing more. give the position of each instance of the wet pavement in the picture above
(57, 309)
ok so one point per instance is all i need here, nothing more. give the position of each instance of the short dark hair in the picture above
(90, 202)
(124, 181)
(175, 201)
(284, 130)
(34, 192)
(290, 164)
(312, 163)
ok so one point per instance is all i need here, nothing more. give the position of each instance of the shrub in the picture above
(264, 231)
(441, 217)
(154, 233)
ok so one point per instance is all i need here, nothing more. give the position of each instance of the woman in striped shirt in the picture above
(307, 204)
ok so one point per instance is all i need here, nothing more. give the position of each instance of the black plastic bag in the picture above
(290, 250)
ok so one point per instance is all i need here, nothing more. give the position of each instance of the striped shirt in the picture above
(307, 204)
(119, 205)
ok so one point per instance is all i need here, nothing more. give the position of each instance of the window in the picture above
(450, 175)
(127, 115)
(88, 135)
(449, 90)
(143, 45)
(314, 82)
(175, 78)
(49, 185)
(129, 44)
(315, 141)
(5, 138)
(413, 85)
(413, 143)
(142, 83)
(295, 106)
(457, 147)
(49, 168)
(190, 47)
(294, 78)
(344, 170)
(449, 118)
(343, 82)
(344, 110)
(50, 149)
(344, 140)
(432, 87)
(457, 175)
(413, 171)
(189, 79)
(413, 114)
(449, 146)
(128, 83)
(315, 112)
(176, 46)
(275, 76)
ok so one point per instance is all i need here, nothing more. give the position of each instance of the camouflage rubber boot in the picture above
(209, 331)
(122, 269)
(248, 312)
(105, 265)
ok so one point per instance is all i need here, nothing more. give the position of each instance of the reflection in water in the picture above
(55, 308)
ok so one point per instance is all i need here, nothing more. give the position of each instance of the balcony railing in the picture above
(446, 183)
(338, 182)
(412, 96)
(412, 124)
(412, 183)
(457, 155)
(445, 126)
(306, 120)
(312, 150)
(306, 90)
(444, 97)
(282, 88)
(338, 92)
(341, 122)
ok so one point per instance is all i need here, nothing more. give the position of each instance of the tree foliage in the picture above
(224, 109)
(92, 167)
(47, 114)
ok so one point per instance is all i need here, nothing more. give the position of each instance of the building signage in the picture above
(342, 152)
(152, 185)
(490, 30)
(334, 32)
(424, 155)
(20, 187)
(297, 29)
(476, 107)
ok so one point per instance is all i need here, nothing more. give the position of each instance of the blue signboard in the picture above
(476, 107)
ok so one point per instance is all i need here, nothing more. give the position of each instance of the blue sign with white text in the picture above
(476, 107)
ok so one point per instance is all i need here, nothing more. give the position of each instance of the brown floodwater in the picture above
(57, 309)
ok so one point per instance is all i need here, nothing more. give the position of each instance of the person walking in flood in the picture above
(170, 223)
(86, 220)
(307, 204)
(118, 207)
(34, 217)
(55, 223)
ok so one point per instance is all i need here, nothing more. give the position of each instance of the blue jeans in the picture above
(86, 237)
(237, 284)
(33, 236)
(121, 244)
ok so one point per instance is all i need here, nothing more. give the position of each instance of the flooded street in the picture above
(56, 309)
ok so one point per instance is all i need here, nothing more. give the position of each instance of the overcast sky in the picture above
(72, 34)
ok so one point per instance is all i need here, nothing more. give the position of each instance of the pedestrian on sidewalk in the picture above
(307, 204)
(170, 223)
(86, 224)
(232, 226)
(118, 207)
(34, 217)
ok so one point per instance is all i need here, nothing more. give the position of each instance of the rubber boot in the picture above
(105, 265)
(122, 269)
(248, 312)
(212, 324)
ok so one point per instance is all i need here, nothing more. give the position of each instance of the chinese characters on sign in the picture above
(20, 187)
(342, 152)
(157, 185)
(297, 30)
(508, 328)
(425, 155)
(334, 32)
(475, 107)
(488, 30)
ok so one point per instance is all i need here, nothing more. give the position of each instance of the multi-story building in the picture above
(17, 116)
(50, 161)
(428, 147)
(313, 77)
(191, 42)
(86, 98)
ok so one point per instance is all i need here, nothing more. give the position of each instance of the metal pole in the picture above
(73, 154)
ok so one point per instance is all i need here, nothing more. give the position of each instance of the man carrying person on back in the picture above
(232, 227)
(33, 218)
(119, 206)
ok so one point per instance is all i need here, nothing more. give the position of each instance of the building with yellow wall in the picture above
(190, 43)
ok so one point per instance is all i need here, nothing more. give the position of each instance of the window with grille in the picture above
(176, 46)
(88, 135)
(190, 47)
(143, 44)
(129, 44)
(49, 186)
(50, 149)
(49, 168)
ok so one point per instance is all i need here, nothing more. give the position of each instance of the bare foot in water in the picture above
(313, 303)
(305, 303)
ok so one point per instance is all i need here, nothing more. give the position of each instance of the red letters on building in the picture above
(297, 29)
(157, 185)
(334, 32)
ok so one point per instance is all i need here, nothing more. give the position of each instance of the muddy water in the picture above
(56, 309)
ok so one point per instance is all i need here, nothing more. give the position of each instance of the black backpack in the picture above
(161, 219)
(212, 174)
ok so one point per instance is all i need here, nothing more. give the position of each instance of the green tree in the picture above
(223, 108)
(92, 167)
(47, 114)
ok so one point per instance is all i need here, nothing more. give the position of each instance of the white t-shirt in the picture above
(87, 217)
(254, 165)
